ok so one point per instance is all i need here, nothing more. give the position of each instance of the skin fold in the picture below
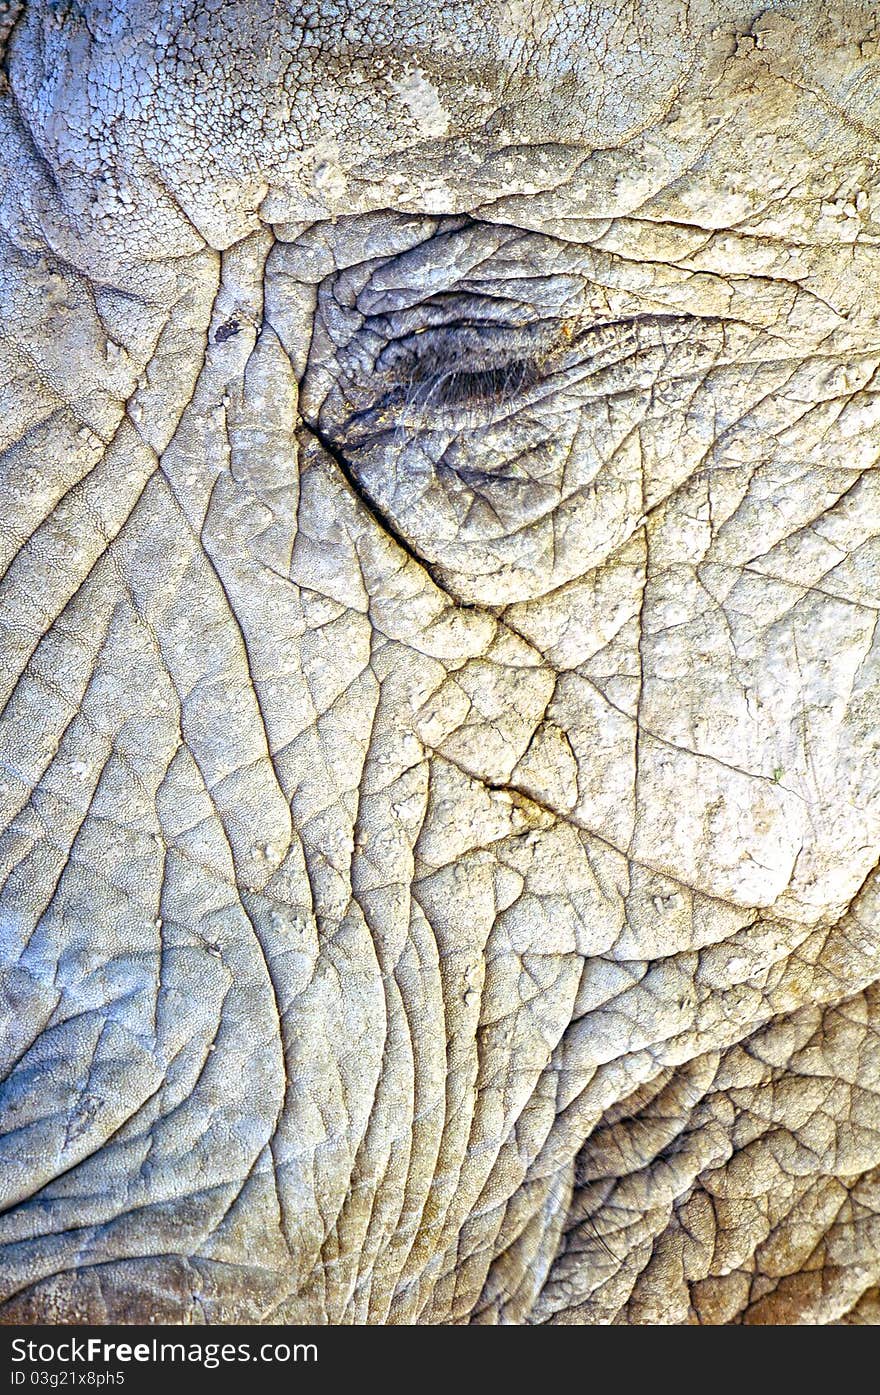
(439, 780)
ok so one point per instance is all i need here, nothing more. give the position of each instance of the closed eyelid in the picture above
(472, 364)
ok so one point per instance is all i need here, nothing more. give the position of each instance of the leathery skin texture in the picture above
(439, 721)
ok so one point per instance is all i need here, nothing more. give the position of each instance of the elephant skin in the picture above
(439, 781)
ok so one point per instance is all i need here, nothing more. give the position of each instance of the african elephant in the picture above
(440, 792)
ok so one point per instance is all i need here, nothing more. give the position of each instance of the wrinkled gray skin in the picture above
(440, 658)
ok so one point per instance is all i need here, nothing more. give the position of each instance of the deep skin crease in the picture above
(439, 781)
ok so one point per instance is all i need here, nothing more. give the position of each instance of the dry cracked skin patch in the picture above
(439, 784)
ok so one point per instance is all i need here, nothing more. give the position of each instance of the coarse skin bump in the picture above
(439, 658)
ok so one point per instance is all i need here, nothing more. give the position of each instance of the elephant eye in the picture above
(485, 412)
(470, 375)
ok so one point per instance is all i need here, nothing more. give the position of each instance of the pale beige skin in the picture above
(440, 887)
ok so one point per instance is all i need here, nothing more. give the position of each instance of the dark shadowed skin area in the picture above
(439, 728)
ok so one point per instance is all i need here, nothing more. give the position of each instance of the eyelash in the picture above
(460, 387)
